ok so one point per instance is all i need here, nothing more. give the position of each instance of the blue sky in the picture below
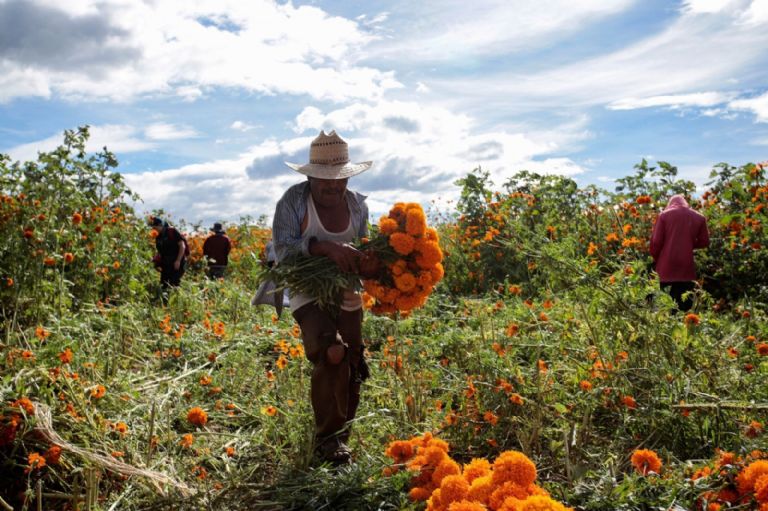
(203, 101)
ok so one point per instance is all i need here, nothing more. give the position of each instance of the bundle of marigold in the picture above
(507, 484)
(412, 258)
(410, 265)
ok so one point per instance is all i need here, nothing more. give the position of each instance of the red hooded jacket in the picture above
(677, 232)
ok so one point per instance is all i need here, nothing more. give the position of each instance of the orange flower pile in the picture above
(417, 265)
(732, 480)
(507, 484)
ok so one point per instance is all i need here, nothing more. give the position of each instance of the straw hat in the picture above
(329, 159)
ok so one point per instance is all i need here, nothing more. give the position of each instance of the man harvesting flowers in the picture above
(319, 218)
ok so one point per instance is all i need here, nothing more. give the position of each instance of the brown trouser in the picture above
(335, 386)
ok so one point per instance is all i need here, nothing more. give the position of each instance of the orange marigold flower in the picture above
(726, 458)
(429, 254)
(41, 333)
(116, 265)
(516, 399)
(9, 282)
(762, 349)
(282, 362)
(419, 494)
(69, 257)
(453, 488)
(749, 475)
(754, 429)
(24, 404)
(399, 450)
(629, 402)
(585, 385)
(187, 440)
(691, 319)
(270, 410)
(77, 218)
(643, 199)
(205, 380)
(402, 243)
(645, 461)
(98, 392)
(415, 222)
(230, 451)
(591, 249)
(197, 416)
(490, 418)
(512, 329)
(387, 225)
(515, 467)
(35, 461)
(514, 289)
(66, 356)
(478, 467)
(405, 282)
(53, 455)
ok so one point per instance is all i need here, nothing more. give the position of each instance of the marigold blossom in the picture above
(197, 416)
(645, 461)
(691, 319)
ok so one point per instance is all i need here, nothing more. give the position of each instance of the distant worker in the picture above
(216, 250)
(171, 253)
(677, 232)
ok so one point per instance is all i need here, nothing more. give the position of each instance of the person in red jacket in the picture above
(216, 250)
(678, 231)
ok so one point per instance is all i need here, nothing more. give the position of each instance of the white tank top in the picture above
(352, 299)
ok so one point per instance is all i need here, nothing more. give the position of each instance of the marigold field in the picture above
(546, 371)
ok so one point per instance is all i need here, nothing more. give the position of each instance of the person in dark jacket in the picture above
(216, 250)
(678, 231)
(171, 250)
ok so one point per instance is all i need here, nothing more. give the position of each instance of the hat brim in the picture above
(331, 171)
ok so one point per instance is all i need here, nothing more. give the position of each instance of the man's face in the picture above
(327, 192)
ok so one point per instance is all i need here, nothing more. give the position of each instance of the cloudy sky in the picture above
(203, 100)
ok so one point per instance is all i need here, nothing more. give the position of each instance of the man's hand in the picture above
(344, 255)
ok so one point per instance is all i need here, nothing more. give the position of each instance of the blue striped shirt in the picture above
(290, 212)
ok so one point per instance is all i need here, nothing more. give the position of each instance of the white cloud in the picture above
(707, 6)
(166, 131)
(418, 152)
(455, 29)
(757, 105)
(694, 52)
(16, 81)
(241, 126)
(757, 13)
(131, 49)
(699, 99)
(117, 138)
